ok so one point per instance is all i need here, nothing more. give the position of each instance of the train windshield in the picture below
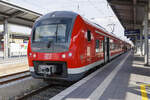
(51, 35)
(54, 30)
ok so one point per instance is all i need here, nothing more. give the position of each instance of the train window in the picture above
(89, 35)
(55, 30)
(112, 46)
(52, 32)
(97, 45)
(101, 46)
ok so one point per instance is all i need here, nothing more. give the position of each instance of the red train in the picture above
(64, 45)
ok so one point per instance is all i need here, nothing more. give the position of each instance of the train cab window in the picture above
(52, 32)
(89, 35)
(55, 30)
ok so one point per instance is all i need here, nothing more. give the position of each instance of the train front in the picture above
(48, 49)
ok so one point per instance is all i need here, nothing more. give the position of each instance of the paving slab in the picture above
(121, 79)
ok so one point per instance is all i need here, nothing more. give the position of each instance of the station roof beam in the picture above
(135, 14)
(11, 13)
(17, 15)
(130, 12)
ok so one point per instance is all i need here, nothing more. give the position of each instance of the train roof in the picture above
(73, 15)
(101, 28)
(66, 14)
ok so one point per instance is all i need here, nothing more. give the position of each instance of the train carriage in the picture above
(64, 45)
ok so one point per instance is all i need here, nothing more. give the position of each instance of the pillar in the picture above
(6, 38)
(146, 38)
(141, 42)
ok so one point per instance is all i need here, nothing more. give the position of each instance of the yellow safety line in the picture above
(143, 92)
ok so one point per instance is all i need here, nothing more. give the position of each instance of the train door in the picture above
(89, 48)
(106, 49)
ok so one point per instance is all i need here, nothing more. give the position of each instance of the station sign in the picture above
(131, 32)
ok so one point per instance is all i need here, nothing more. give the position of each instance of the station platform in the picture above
(124, 78)
(13, 60)
(13, 65)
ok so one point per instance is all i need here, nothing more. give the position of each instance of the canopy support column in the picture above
(6, 38)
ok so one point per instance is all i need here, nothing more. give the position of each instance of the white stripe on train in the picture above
(81, 69)
(87, 67)
(84, 68)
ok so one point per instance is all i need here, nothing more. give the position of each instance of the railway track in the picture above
(43, 93)
(47, 92)
(14, 77)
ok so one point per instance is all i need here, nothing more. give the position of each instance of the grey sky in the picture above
(96, 10)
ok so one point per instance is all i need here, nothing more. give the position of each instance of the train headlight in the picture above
(63, 56)
(34, 55)
(30, 54)
(70, 54)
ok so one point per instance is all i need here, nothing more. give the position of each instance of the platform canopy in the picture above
(130, 12)
(135, 15)
(17, 15)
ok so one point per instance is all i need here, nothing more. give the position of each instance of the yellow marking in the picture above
(143, 92)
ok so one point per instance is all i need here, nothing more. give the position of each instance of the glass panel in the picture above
(101, 46)
(53, 32)
(97, 45)
(45, 32)
(61, 33)
(89, 35)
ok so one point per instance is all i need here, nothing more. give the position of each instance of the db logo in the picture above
(47, 56)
